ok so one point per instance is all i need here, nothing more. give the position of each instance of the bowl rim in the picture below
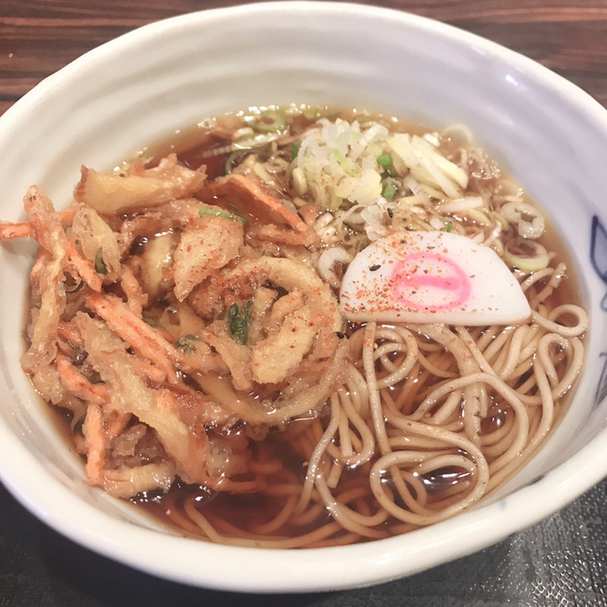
(46, 497)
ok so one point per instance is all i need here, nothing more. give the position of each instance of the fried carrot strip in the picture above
(9, 230)
(145, 340)
(99, 429)
(46, 229)
(149, 371)
(115, 422)
(68, 332)
(44, 222)
(23, 229)
(149, 342)
(79, 385)
(84, 268)
(135, 296)
(108, 355)
(96, 441)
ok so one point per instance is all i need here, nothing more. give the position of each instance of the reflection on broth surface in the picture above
(302, 326)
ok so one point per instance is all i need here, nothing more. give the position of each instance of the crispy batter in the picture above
(133, 325)
(270, 218)
(206, 245)
(119, 192)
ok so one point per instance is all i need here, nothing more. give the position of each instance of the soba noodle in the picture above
(185, 320)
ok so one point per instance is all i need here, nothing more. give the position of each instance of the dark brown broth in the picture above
(248, 511)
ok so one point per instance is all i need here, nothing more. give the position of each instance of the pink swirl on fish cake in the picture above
(418, 277)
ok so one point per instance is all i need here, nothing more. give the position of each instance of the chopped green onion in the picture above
(389, 191)
(239, 214)
(268, 121)
(335, 202)
(385, 161)
(311, 112)
(348, 166)
(448, 226)
(205, 210)
(100, 266)
(238, 321)
(185, 343)
(295, 149)
(230, 160)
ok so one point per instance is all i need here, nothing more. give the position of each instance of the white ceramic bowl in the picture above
(100, 109)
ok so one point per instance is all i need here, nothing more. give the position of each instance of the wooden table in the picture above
(559, 562)
(37, 37)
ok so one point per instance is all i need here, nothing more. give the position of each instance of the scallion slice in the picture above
(389, 191)
(238, 321)
(526, 255)
(268, 121)
(100, 266)
(205, 210)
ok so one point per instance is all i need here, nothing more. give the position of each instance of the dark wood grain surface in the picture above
(37, 567)
(37, 37)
